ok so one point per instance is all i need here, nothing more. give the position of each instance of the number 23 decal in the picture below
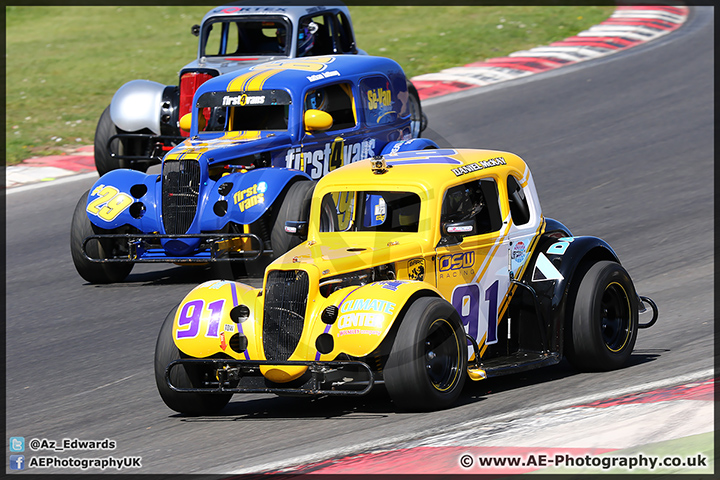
(110, 202)
(467, 300)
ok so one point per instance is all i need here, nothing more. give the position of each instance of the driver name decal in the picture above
(474, 167)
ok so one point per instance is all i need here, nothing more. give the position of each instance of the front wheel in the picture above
(605, 319)
(427, 362)
(182, 376)
(93, 272)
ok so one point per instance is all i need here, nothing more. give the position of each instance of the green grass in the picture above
(65, 63)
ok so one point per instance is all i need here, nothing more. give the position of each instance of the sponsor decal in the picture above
(518, 252)
(416, 269)
(229, 328)
(251, 196)
(320, 76)
(243, 100)
(378, 98)
(332, 155)
(357, 331)
(369, 304)
(223, 344)
(231, 10)
(450, 266)
(474, 167)
(390, 284)
(560, 247)
(361, 319)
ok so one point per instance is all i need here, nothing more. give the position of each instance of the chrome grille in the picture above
(286, 295)
(180, 189)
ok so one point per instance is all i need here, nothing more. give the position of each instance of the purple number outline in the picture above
(193, 320)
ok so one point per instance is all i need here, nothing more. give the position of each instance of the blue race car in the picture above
(258, 139)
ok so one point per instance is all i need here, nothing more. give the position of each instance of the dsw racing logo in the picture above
(319, 163)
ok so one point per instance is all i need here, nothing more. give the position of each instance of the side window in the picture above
(313, 37)
(337, 100)
(347, 44)
(475, 205)
(376, 98)
(518, 203)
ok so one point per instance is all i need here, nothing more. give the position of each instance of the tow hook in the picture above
(643, 309)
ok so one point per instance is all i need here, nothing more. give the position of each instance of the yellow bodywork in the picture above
(203, 325)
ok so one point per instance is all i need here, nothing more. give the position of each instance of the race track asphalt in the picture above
(619, 147)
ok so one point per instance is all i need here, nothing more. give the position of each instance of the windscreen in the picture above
(237, 36)
(370, 211)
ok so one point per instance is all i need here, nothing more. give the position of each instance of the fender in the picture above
(554, 268)
(406, 145)
(137, 105)
(367, 314)
(205, 323)
(244, 197)
(125, 197)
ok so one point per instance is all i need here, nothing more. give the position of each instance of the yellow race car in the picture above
(420, 269)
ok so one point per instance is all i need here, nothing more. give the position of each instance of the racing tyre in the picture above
(295, 206)
(103, 161)
(427, 362)
(93, 272)
(417, 118)
(183, 376)
(605, 319)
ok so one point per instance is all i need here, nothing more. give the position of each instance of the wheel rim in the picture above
(442, 355)
(615, 322)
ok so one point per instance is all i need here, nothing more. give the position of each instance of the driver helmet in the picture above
(306, 38)
(315, 99)
(464, 202)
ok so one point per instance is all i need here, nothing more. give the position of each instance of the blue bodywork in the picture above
(223, 175)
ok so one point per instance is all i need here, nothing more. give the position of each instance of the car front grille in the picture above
(286, 295)
(180, 190)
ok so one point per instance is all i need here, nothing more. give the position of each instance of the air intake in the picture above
(180, 190)
(286, 296)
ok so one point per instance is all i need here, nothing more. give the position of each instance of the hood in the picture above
(222, 65)
(337, 258)
(222, 147)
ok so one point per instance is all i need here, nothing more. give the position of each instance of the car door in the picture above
(472, 259)
(324, 151)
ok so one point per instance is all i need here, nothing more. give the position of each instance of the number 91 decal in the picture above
(109, 204)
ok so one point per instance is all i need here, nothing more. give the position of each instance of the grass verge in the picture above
(64, 63)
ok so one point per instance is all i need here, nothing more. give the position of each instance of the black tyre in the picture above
(605, 319)
(417, 120)
(104, 162)
(427, 365)
(93, 272)
(182, 376)
(294, 206)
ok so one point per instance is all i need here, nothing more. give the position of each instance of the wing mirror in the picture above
(195, 30)
(186, 122)
(317, 120)
(296, 228)
(457, 230)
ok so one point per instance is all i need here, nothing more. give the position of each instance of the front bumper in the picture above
(244, 376)
(214, 247)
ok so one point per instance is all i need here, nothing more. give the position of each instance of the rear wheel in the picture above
(427, 362)
(182, 376)
(295, 206)
(104, 161)
(417, 120)
(94, 272)
(605, 319)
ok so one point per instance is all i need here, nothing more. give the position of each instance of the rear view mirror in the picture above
(317, 121)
